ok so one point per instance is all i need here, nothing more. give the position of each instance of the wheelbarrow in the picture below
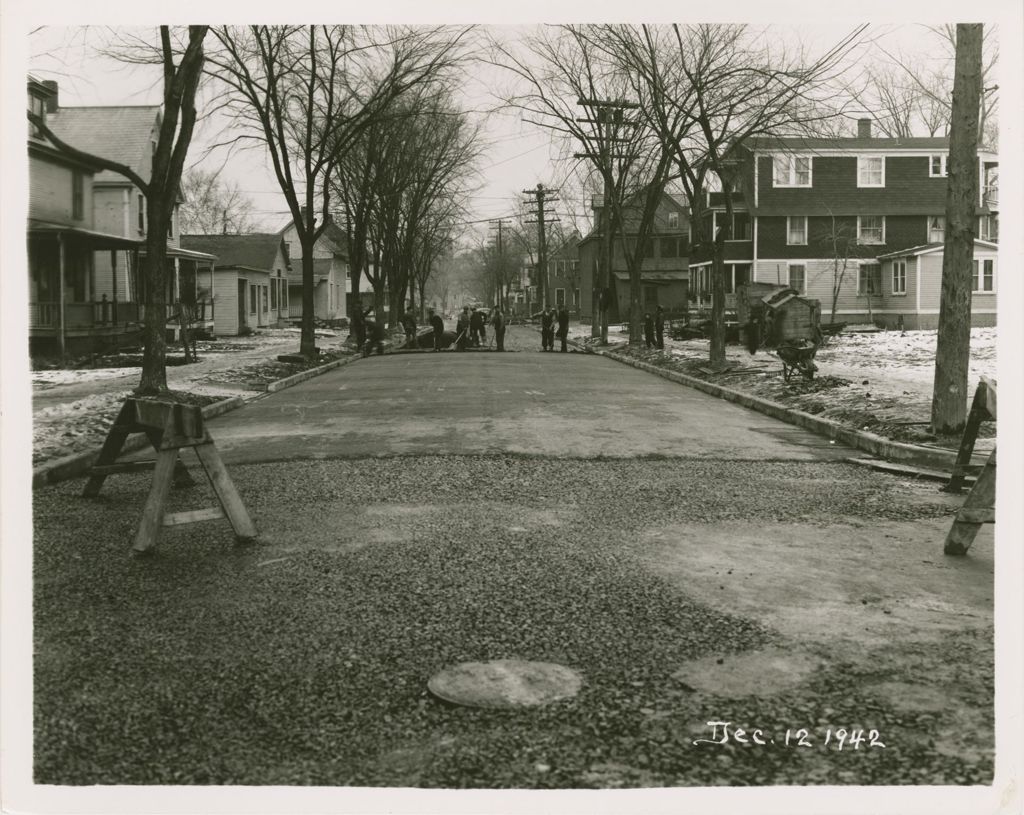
(798, 356)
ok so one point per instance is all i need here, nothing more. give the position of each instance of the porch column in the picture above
(60, 300)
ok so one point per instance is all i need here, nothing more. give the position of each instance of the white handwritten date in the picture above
(832, 738)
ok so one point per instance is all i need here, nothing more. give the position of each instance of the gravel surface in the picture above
(303, 659)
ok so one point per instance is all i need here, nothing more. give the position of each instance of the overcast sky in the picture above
(519, 155)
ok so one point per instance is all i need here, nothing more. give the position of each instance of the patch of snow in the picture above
(59, 377)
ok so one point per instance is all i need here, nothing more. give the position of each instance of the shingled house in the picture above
(128, 134)
(859, 216)
(73, 307)
(250, 280)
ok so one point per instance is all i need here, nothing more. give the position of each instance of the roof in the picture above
(929, 248)
(121, 133)
(654, 277)
(98, 240)
(255, 251)
(321, 270)
(849, 143)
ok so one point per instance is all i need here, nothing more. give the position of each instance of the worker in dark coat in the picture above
(477, 328)
(374, 337)
(462, 327)
(498, 323)
(649, 330)
(563, 328)
(358, 328)
(437, 324)
(547, 329)
(659, 327)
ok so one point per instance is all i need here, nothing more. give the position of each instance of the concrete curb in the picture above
(859, 439)
(302, 376)
(67, 467)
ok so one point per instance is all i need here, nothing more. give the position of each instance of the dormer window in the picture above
(936, 166)
(36, 105)
(792, 171)
(673, 220)
(871, 171)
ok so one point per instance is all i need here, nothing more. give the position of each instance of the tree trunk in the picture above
(717, 353)
(636, 303)
(952, 353)
(154, 331)
(307, 340)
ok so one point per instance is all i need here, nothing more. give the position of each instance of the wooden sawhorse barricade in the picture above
(980, 505)
(170, 427)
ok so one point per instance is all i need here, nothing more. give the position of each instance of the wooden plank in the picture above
(990, 395)
(970, 435)
(229, 498)
(180, 419)
(123, 426)
(125, 467)
(193, 516)
(979, 501)
(153, 512)
(983, 515)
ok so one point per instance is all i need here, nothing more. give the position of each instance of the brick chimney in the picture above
(863, 128)
(51, 100)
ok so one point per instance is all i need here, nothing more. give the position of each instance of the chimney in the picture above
(51, 100)
(863, 128)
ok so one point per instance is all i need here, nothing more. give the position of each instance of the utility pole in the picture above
(610, 116)
(541, 195)
(499, 266)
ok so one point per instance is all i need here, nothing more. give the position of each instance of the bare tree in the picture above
(307, 93)
(710, 90)
(213, 206)
(952, 354)
(570, 85)
(177, 122)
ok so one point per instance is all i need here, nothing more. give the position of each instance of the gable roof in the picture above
(931, 248)
(255, 251)
(121, 133)
(849, 143)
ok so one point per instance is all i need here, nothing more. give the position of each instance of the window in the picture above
(741, 274)
(796, 230)
(673, 220)
(740, 225)
(985, 283)
(559, 297)
(37, 105)
(792, 171)
(252, 299)
(576, 297)
(273, 292)
(77, 196)
(899, 277)
(170, 226)
(870, 229)
(988, 227)
(936, 166)
(798, 277)
(669, 248)
(650, 296)
(936, 228)
(284, 294)
(869, 279)
(870, 171)
(142, 213)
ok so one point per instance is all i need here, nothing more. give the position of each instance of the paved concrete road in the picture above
(566, 405)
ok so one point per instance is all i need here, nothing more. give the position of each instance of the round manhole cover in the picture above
(505, 683)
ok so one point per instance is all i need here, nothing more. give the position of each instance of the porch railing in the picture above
(991, 196)
(103, 314)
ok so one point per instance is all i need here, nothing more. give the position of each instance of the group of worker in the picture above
(548, 318)
(470, 329)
